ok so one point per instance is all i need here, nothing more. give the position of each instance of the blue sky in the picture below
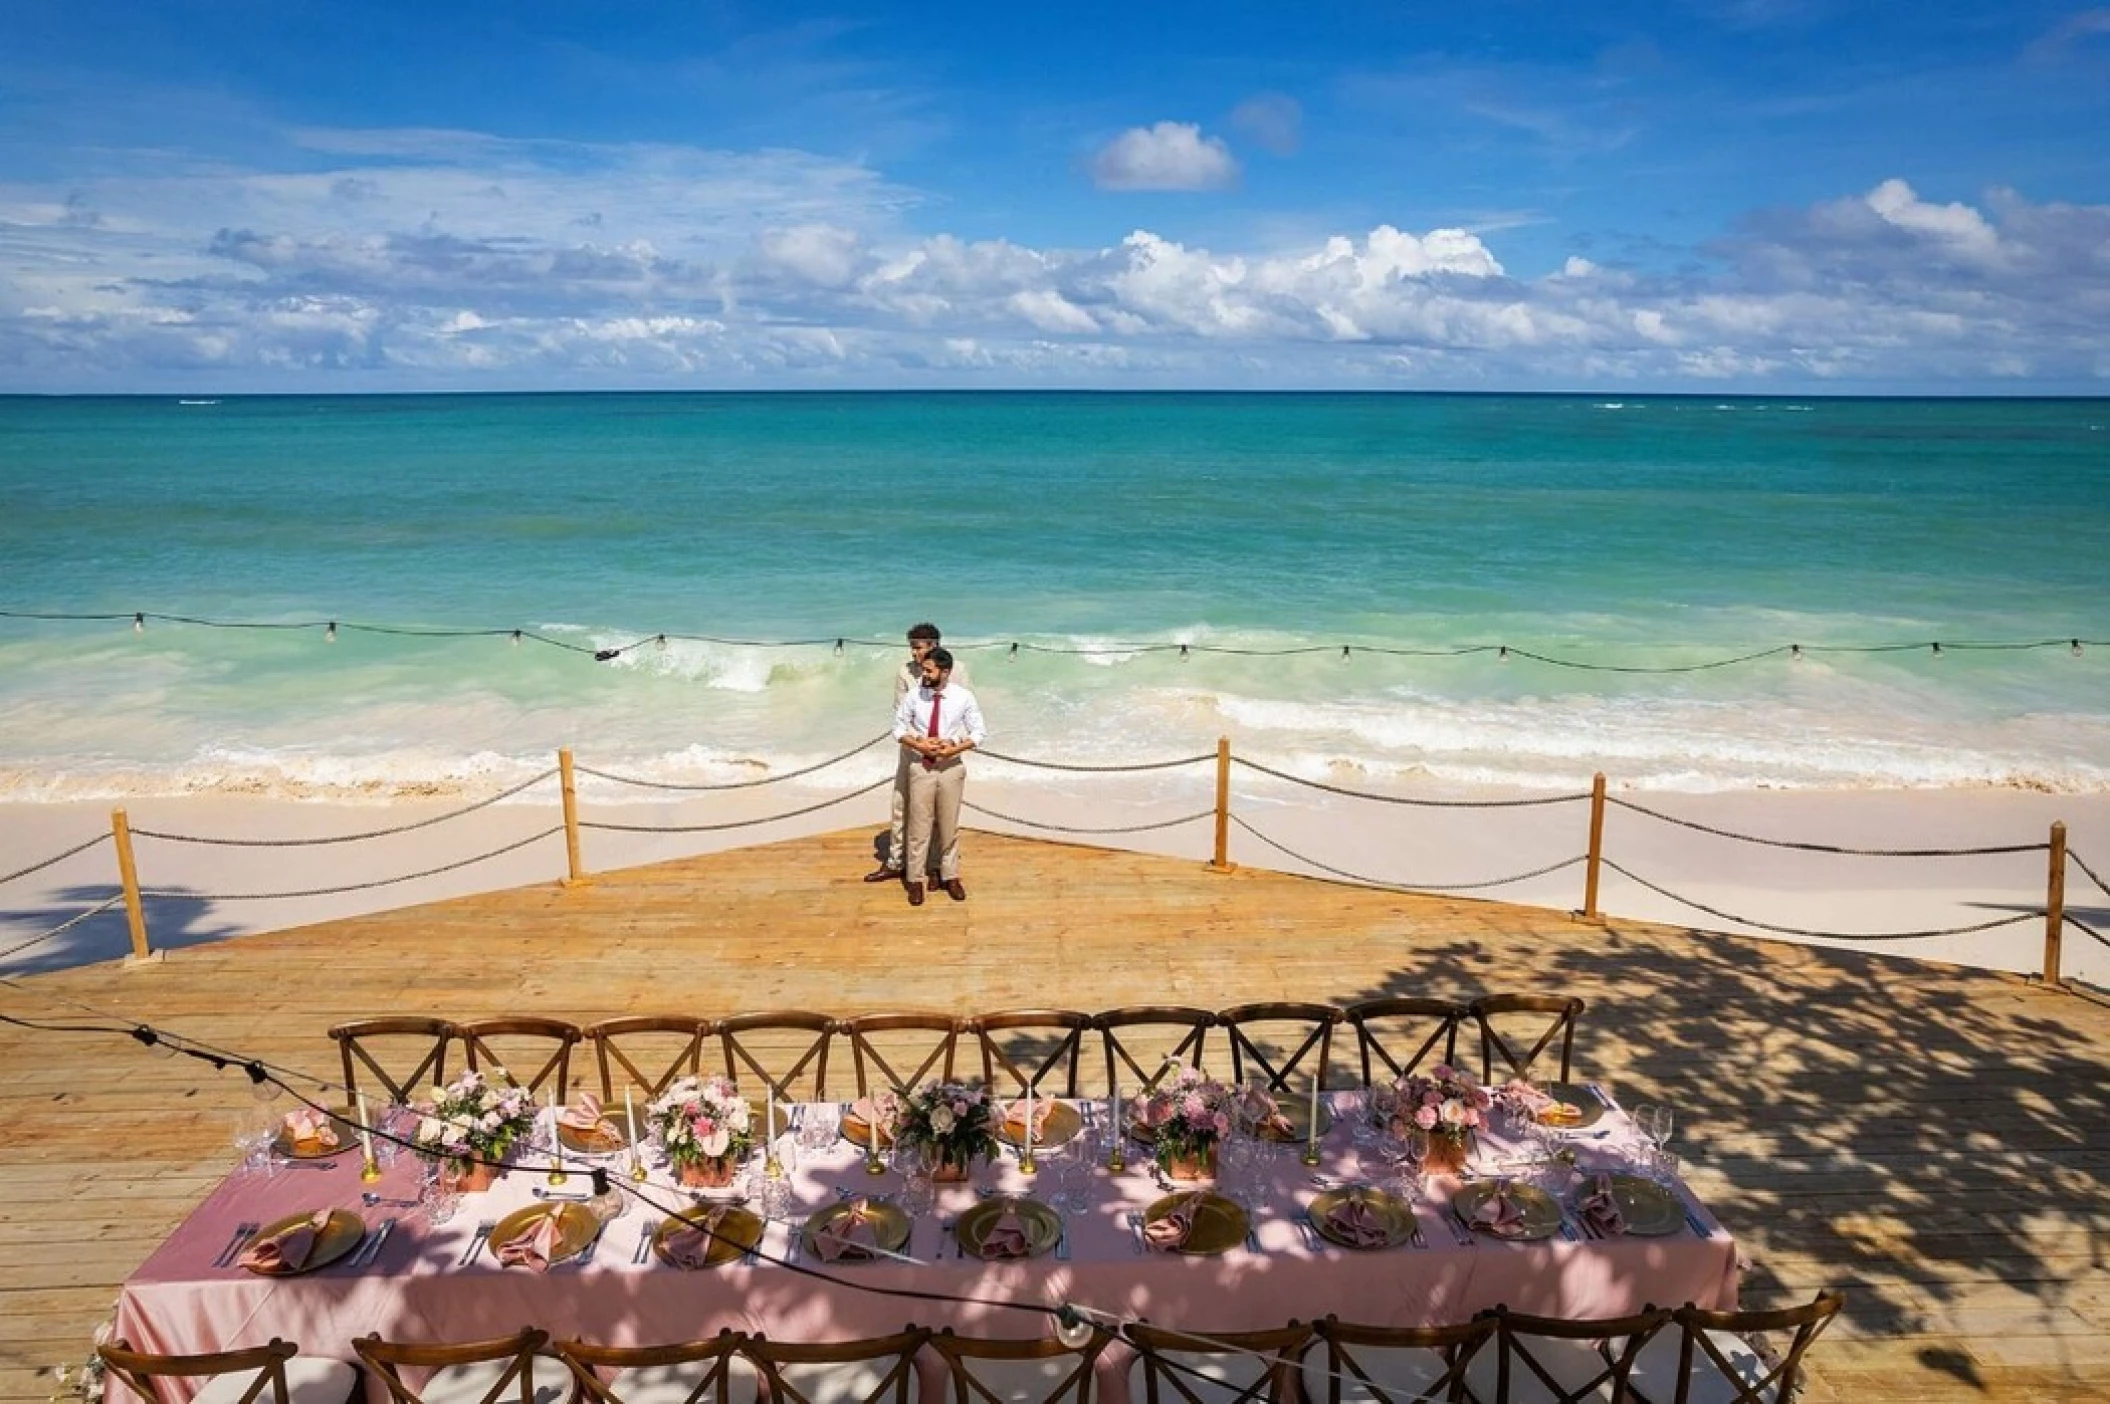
(1710, 196)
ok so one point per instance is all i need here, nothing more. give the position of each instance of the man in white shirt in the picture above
(922, 638)
(936, 724)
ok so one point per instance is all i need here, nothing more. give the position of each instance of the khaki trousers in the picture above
(897, 817)
(933, 818)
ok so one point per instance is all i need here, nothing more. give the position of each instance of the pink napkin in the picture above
(584, 1116)
(877, 1115)
(1007, 1237)
(1015, 1114)
(1525, 1097)
(532, 1246)
(1600, 1209)
(1356, 1221)
(849, 1237)
(1500, 1215)
(689, 1246)
(305, 1125)
(1170, 1231)
(288, 1250)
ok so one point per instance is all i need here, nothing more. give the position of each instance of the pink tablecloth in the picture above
(418, 1289)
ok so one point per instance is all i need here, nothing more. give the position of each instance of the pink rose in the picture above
(1425, 1118)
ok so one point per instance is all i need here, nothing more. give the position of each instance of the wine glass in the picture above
(1662, 1122)
(818, 1126)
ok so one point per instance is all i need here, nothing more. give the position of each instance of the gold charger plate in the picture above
(345, 1120)
(1581, 1098)
(736, 1234)
(1061, 1127)
(1396, 1212)
(1297, 1112)
(595, 1142)
(576, 1227)
(1649, 1209)
(890, 1226)
(1542, 1212)
(1043, 1225)
(1219, 1225)
(339, 1237)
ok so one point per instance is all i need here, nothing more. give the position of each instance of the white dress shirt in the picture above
(959, 715)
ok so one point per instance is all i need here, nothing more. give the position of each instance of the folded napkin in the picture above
(1600, 1209)
(1500, 1214)
(690, 1245)
(850, 1236)
(532, 1246)
(1357, 1221)
(1007, 1237)
(1557, 1113)
(877, 1115)
(1015, 1114)
(287, 1250)
(1171, 1230)
(305, 1125)
(584, 1116)
(1524, 1096)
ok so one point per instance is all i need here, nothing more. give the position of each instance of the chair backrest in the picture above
(516, 1355)
(650, 1051)
(781, 1049)
(879, 1370)
(1218, 1367)
(1753, 1381)
(1394, 1037)
(1041, 1052)
(1144, 1041)
(139, 1369)
(1558, 1014)
(1392, 1364)
(713, 1371)
(900, 1051)
(414, 1044)
(516, 1042)
(1043, 1371)
(1558, 1360)
(1284, 1043)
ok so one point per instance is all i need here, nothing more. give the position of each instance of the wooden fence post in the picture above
(576, 877)
(2055, 904)
(1590, 912)
(128, 874)
(1222, 862)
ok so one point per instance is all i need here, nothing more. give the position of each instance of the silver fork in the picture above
(238, 1240)
(476, 1244)
(644, 1244)
(372, 1247)
(1062, 1245)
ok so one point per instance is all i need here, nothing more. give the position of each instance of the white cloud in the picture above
(1167, 156)
(1274, 120)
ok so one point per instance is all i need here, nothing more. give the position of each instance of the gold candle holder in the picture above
(1115, 1160)
(1311, 1152)
(1027, 1165)
(556, 1174)
(369, 1170)
(637, 1170)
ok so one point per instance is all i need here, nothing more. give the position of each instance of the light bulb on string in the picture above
(154, 1043)
(660, 642)
(1183, 650)
(1344, 653)
(838, 648)
(1012, 656)
(1502, 654)
(2076, 648)
(329, 635)
(139, 623)
(1795, 652)
(516, 638)
(261, 1086)
(1936, 648)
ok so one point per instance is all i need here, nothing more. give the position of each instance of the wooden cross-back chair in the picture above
(927, 1052)
(1555, 1017)
(1044, 1371)
(1556, 1360)
(878, 1370)
(411, 1041)
(489, 1043)
(1219, 1367)
(514, 1369)
(276, 1373)
(796, 1073)
(1395, 1036)
(1253, 1028)
(1145, 1041)
(715, 1370)
(1391, 1364)
(651, 1051)
(1707, 1359)
(1043, 1053)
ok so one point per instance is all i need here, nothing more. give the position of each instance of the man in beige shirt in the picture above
(922, 638)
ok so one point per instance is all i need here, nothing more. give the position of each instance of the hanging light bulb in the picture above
(838, 648)
(661, 642)
(1183, 650)
(516, 638)
(1502, 654)
(139, 623)
(154, 1043)
(1795, 652)
(2077, 648)
(1012, 656)
(1344, 653)
(261, 1086)
(1937, 649)
(329, 635)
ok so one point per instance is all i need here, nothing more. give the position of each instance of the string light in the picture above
(1936, 648)
(1012, 657)
(838, 648)
(1795, 652)
(1344, 653)
(1183, 650)
(516, 638)
(139, 623)
(2077, 648)
(1502, 654)
(661, 642)
(329, 635)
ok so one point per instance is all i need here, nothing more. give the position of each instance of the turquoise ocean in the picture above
(1098, 532)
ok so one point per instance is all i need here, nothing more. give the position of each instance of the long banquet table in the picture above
(417, 1287)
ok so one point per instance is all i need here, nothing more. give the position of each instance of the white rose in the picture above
(429, 1130)
(942, 1120)
(717, 1143)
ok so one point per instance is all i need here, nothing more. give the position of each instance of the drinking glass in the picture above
(438, 1197)
(918, 1191)
(1662, 1121)
(818, 1126)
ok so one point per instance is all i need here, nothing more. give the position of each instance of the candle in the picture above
(770, 1113)
(1113, 1108)
(366, 1135)
(1029, 1124)
(1315, 1110)
(630, 1119)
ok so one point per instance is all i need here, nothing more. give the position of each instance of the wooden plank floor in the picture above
(1935, 1141)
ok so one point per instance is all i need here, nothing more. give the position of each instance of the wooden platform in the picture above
(1935, 1141)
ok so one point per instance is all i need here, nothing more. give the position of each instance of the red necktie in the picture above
(928, 762)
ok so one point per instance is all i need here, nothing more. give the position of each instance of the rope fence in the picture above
(1593, 861)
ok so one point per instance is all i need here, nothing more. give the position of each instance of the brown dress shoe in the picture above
(955, 889)
(915, 894)
(883, 873)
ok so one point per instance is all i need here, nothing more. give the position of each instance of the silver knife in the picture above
(373, 1245)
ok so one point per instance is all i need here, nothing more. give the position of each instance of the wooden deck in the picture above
(1935, 1141)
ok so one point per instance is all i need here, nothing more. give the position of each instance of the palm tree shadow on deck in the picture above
(173, 923)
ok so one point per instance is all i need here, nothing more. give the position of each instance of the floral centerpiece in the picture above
(1442, 1109)
(471, 1123)
(1187, 1116)
(952, 1123)
(706, 1128)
